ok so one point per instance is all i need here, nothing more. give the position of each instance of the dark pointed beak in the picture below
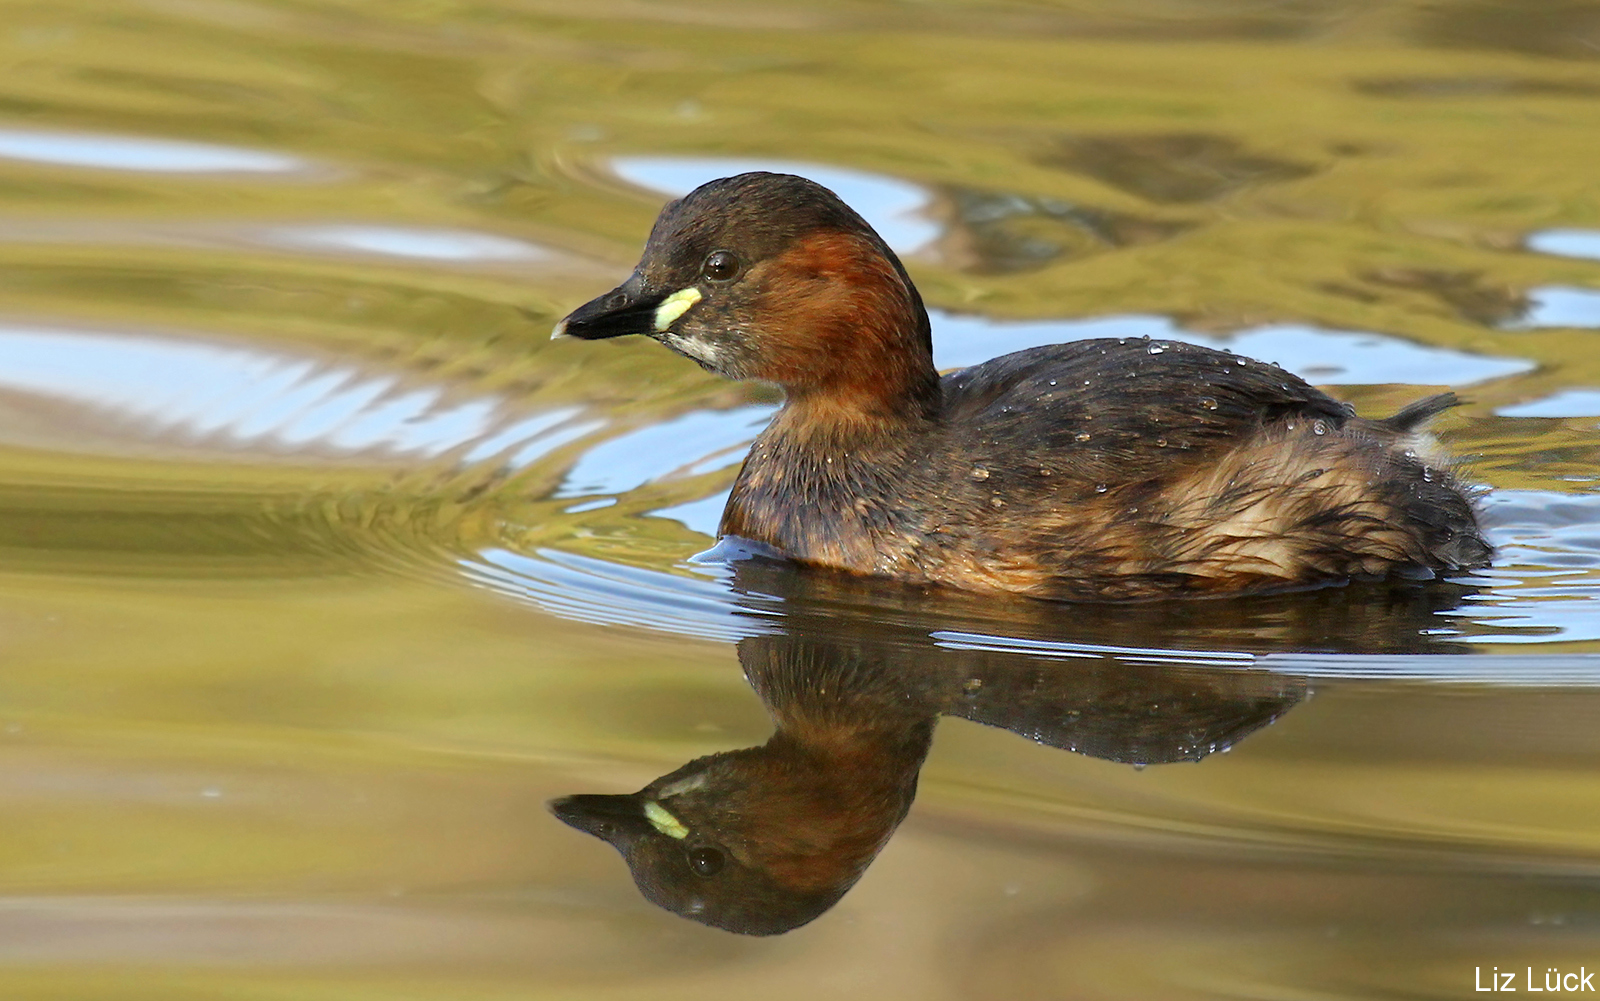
(614, 819)
(621, 311)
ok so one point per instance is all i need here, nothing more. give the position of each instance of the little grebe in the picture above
(1099, 469)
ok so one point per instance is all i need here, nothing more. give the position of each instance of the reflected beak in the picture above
(614, 819)
(617, 313)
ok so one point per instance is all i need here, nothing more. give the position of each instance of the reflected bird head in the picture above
(756, 841)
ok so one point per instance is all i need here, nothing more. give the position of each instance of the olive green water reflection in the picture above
(321, 570)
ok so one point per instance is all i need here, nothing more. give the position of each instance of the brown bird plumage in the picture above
(1101, 469)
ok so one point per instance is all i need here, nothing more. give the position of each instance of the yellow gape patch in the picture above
(661, 820)
(674, 306)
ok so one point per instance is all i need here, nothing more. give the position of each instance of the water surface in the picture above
(324, 569)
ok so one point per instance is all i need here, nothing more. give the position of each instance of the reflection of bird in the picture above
(764, 839)
(1097, 469)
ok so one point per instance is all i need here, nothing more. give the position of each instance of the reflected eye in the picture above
(706, 861)
(720, 266)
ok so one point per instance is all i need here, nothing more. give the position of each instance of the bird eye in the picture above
(720, 266)
(706, 861)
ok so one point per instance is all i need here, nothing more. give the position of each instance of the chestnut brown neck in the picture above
(859, 350)
(830, 799)
(840, 773)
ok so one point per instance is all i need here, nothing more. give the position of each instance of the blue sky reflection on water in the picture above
(1583, 243)
(132, 153)
(192, 390)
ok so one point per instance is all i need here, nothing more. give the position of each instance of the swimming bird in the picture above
(1105, 469)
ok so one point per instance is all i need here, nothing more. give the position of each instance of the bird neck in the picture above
(858, 347)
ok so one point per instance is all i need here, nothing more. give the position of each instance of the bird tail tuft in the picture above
(1413, 415)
